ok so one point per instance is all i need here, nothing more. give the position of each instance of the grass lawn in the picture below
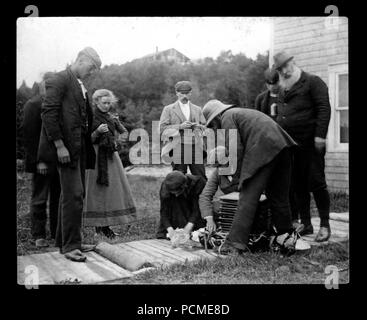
(252, 268)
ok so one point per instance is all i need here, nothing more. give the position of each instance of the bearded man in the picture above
(304, 113)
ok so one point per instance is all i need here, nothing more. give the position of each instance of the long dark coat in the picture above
(304, 110)
(64, 114)
(259, 139)
(30, 130)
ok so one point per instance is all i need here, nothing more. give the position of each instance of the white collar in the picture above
(84, 90)
(184, 105)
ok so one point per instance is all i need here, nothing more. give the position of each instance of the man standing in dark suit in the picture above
(67, 118)
(263, 151)
(304, 112)
(45, 178)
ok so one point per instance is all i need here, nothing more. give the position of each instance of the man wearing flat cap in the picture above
(179, 196)
(267, 101)
(66, 140)
(304, 112)
(176, 120)
(264, 152)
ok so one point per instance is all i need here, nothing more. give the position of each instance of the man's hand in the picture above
(42, 168)
(63, 154)
(188, 227)
(320, 144)
(185, 125)
(210, 224)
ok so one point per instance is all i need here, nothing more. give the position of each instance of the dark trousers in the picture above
(308, 175)
(188, 160)
(318, 186)
(274, 178)
(300, 192)
(44, 187)
(72, 180)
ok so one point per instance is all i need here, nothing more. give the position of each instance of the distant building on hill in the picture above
(169, 55)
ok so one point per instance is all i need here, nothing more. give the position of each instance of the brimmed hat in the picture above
(271, 76)
(280, 59)
(183, 86)
(175, 180)
(92, 55)
(212, 108)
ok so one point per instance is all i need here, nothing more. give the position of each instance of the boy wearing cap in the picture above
(267, 101)
(66, 139)
(177, 117)
(179, 196)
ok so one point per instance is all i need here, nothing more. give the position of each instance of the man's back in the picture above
(259, 138)
(31, 129)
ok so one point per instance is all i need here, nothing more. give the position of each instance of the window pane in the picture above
(344, 126)
(343, 90)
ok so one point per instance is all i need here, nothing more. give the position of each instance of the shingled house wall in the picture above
(320, 46)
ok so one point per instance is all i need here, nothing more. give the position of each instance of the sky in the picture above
(48, 44)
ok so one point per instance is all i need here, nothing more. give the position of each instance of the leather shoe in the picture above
(323, 234)
(305, 229)
(75, 255)
(87, 247)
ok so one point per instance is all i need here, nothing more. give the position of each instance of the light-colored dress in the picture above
(108, 205)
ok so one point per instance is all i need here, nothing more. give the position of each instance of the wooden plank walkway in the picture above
(54, 268)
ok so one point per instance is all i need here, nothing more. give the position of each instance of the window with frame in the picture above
(338, 136)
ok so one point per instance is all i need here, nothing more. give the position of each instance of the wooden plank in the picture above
(54, 267)
(148, 256)
(157, 258)
(210, 254)
(164, 253)
(44, 276)
(59, 267)
(191, 255)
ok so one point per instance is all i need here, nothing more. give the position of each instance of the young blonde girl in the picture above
(108, 201)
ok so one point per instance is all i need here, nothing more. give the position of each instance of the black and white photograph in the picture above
(182, 150)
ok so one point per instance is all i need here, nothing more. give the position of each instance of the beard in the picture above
(287, 83)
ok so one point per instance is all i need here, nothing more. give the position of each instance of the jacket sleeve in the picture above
(320, 98)
(120, 127)
(31, 124)
(206, 197)
(195, 212)
(164, 210)
(257, 105)
(51, 108)
(165, 121)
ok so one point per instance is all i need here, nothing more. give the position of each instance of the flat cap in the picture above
(271, 76)
(175, 180)
(92, 55)
(183, 86)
